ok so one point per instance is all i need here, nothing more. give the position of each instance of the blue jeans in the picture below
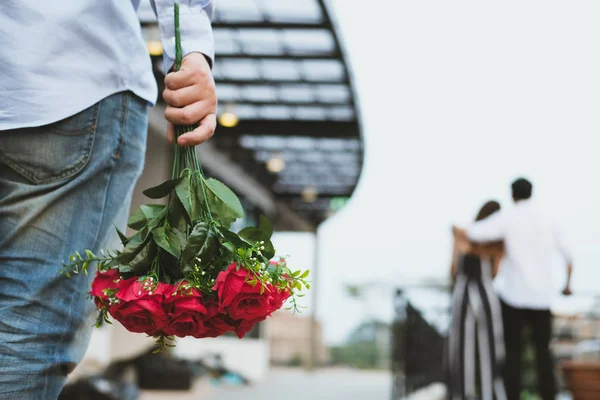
(62, 186)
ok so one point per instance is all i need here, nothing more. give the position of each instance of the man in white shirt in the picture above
(75, 83)
(525, 283)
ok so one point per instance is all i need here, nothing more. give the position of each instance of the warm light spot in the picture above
(228, 119)
(154, 47)
(275, 164)
(309, 194)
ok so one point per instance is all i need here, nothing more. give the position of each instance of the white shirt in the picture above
(58, 58)
(530, 240)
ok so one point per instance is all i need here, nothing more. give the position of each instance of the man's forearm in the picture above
(569, 273)
(567, 290)
(490, 229)
(195, 27)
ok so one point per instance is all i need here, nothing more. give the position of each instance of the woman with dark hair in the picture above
(476, 326)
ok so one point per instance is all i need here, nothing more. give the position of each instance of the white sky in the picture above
(457, 99)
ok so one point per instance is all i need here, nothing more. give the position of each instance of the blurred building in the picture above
(377, 335)
(290, 339)
(573, 333)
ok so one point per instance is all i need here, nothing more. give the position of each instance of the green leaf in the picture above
(170, 265)
(167, 240)
(122, 236)
(304, 275)
(137, 220)
(133, 247)
(177, 216)
(124, 269)
(181, 236)
(202, 243)
(186, 193)
(162, 190)
(264, 224)
(255, 235)
(232, 237)
(145, 214)
(156, 218)
(224, 204)
(143, 260)
(271, 268)
(230, 246)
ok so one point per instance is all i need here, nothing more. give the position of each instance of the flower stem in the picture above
(187, 157)
(177, 39)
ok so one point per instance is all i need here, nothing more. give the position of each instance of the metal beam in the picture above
(283, 102)
(319, 129)
(329, 56)
(324, 193)
(255, 25)
(298, 196)
(281, 82)
(270, 25)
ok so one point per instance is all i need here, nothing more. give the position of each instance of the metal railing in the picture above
(418, 355)
(419, 345)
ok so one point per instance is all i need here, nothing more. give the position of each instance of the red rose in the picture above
(134, 289)
(250, 306)
(240, 299)
(244, 326)
(274, 301)
(185, 311)
(217, 326)
(215, 323)
(140, 306)
(278, 297)
(230, 283)
(104, 280)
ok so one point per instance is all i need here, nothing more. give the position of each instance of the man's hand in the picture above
(567, 290)
(191, 98)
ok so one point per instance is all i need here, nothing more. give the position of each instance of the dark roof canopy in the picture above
(279, 68)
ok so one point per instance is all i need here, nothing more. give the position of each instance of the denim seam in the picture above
(73, 170)
(47, 376)
(73, 132)
(123, 125)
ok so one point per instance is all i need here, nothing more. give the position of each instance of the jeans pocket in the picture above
(51, 153)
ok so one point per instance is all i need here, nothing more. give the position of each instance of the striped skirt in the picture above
(476, 342)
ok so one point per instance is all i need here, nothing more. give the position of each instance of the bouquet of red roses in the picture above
(184, 272)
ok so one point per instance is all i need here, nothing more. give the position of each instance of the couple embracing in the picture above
(515, 248)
